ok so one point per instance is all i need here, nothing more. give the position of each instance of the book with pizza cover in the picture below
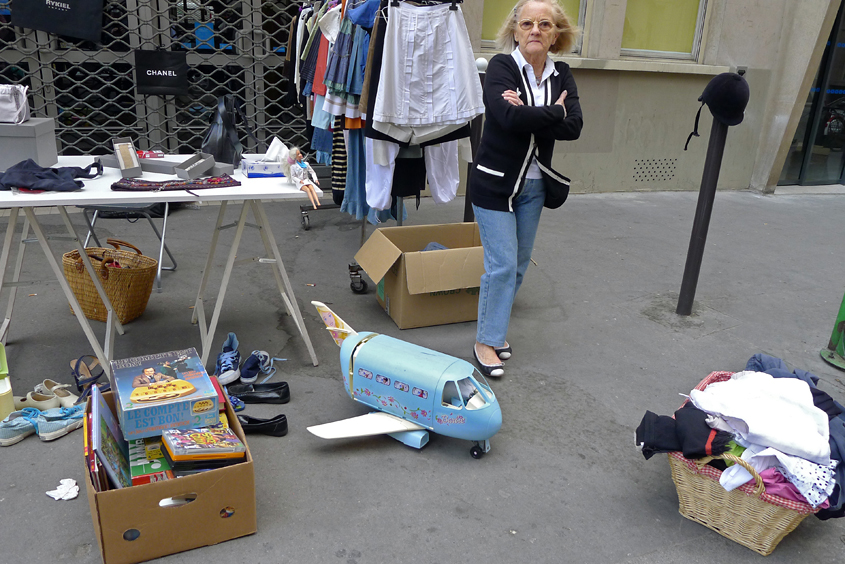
(169, 390)
(107, 442)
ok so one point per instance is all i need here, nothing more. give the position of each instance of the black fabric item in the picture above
(308, 67)
(161, 72)
(82, 19)
(28, 175)
(693, 433)
(726, 96)
(338, 162)
(837, 452)
(408, 178)
(222, 141)
(656, 434)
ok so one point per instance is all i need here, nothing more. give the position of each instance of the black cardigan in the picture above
(511, 132)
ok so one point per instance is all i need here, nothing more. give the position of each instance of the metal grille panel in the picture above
(233, 47)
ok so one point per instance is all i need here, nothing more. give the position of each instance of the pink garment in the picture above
(777, 484)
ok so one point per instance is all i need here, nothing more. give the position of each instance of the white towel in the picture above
(774, 412)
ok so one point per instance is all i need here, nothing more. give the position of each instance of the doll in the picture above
(303, 175)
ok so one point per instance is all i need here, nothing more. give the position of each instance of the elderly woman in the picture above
(531, 101)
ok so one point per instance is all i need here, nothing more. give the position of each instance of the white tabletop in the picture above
(98, 190)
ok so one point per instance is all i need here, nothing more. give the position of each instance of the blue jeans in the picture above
(508, 239)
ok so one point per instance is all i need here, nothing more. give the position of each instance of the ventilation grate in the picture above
(654, 170)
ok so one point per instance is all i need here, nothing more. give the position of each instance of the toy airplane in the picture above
(414, 389)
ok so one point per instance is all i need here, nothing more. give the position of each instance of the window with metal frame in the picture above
(666, 29)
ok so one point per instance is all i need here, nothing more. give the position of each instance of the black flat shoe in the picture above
(278, 392)
(503, 353)
(276, 427)
(494, 370)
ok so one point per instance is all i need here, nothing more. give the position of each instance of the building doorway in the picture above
(817, 153)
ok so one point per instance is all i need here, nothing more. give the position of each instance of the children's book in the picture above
(204, 443)
(169, 390)
(146, 470)
(107, 442)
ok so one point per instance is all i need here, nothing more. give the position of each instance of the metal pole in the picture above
(706, 195)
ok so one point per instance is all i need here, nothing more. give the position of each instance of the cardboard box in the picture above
(140, 523)
(198, 165)
(422, 288)
(127, 157)
(33, 139)
(252, 167)
(162, 166)
(147, 409)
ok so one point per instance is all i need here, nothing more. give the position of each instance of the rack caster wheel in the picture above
(359, 287)
(476, 452)
(306, 222)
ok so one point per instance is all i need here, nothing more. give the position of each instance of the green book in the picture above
(146, 469)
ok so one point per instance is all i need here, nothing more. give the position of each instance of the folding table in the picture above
(252, 193)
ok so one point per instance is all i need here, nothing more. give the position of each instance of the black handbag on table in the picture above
(222, 141)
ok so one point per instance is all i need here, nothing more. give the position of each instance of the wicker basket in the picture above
(747, 515)
(127, 287)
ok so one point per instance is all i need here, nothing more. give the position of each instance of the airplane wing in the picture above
(377, 423)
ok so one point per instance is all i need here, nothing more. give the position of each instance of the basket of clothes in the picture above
(127, 277)
(755, 494)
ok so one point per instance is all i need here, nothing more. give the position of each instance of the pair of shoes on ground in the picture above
(49, 394)
(274, 392)
(229, 369)
(495, 370)
(50, 424)
(276, 427)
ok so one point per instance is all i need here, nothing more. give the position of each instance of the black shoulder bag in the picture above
(222, 139)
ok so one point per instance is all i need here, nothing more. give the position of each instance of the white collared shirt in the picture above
(537, 94)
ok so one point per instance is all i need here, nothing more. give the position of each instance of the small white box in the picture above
(253, 168)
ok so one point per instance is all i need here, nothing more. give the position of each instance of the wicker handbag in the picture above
(747, 515)
(127, 278)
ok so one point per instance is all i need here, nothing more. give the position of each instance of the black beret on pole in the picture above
(726, 96)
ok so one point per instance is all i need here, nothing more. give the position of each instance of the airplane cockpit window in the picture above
(451, 397)
(470, 395)
(483, 383)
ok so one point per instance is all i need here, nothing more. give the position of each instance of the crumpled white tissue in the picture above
(67, 490)
(277, 152)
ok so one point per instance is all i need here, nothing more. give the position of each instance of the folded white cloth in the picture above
(67, 490)
(815, 482)
(774, 412)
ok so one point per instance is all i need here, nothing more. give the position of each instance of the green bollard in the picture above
(835, 352)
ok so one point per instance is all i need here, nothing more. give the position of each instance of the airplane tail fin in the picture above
(336, 326)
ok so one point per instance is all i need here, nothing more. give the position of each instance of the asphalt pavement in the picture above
(596, 343)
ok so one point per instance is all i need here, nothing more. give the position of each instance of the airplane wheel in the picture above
(476, 452)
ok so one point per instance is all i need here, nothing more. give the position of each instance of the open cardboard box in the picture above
(420, 289)
(145, 522)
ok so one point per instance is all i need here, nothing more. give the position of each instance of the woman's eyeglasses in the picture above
(543, 25)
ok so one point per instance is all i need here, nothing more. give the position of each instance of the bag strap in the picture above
(117, 243)
(22, 107)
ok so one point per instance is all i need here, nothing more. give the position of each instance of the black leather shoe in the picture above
(494, 370)
(503, 353)
(277, 392)
(276, 427)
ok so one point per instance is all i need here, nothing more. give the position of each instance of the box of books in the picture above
(139, 523)
(169, 390)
